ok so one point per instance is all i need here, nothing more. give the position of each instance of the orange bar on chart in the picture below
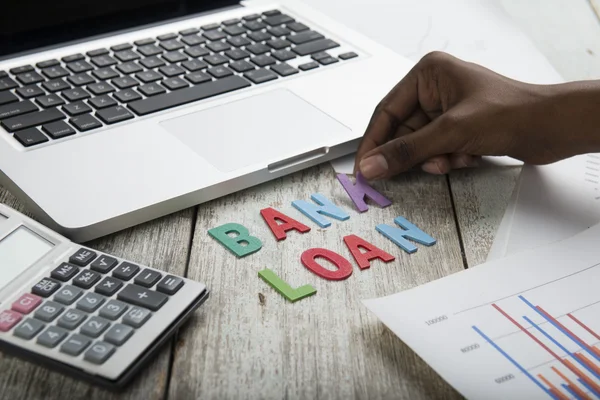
(553, 389)
(582, 376)
(587, 362)
(573, 386)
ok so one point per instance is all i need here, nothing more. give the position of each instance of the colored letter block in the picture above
(344, 267)
(271, 216)
(355, 243)
(361, 189)
(324, 207)
(235, 244)
(407, 230)
(283, 288)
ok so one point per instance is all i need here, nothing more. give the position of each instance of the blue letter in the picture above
(409, 231)
(324, 207)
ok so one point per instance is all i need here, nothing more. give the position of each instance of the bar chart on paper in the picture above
(525, 327)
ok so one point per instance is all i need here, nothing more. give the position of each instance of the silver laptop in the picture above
(119, 112)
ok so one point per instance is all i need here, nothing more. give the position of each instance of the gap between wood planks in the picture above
(456, 224)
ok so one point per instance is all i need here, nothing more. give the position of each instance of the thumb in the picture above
(404, 152)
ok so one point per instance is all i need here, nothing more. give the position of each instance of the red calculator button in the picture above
(26, 303)
(8, 319)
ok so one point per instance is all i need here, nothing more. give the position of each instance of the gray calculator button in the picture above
(68, 294)
(64, 272)
(75, 344)
(90, 302)
(86, 279)
(147, 278)
(94, 326)
(45, 287)
(49, 311)
(71, 319)
(99, 352)
(113, 309)
(136, 317)
(170, 284)
(109, 286)
(142, 297)
(125, 271)
(83, 257)
(104, 264)
(28, 328)
(52, 336)
(118, 334)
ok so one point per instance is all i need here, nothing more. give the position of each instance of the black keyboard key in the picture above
(147, 278)
(151, 89)
(214, 35)
(174, 83)
(97, 52)
(108, 286)
(32, 119)
(100, 88)
(241, 66)
(316, 46)
(77, 108)
(251, 17)
(30, 137)
(172, 44)
(80, 79)
(209, 27)
(28, 78)
(279, 31)
(170, 284)
(6, 83)
(215, 59)
(113, 115)
(58, 129)
(305, 37)
(284, 69)
(73, 57)
(125, 82)
(194, 65)
(220, 72)
(193, 40)
(327, 60)
(237, 54)
(174, 57)
(82, 257)
(152, 62)
(283, 55)
(105, 73)
(140, 296)
(319, 55)
(21, 69)
(46, 286)
(198, 77)
(171, 70)
(121, 47)
(86, 279)
(149, 76)
(263, 61)
(348, 55)
(278, 19)
(150, 50)
(297, 27)
(234, 30)
(3, 74)
(127, 95)
(254, 25)
(167, 36)
(232, 21)
(188, 95)
(196, 51)
(104, 264)
(143, 42)
(127, 55)
(104, 101)
(7, 97)
(51, 100)
(218, 47)
(75, 94)
(64, 272)
(55, 72)
(129, 68)
(260, 75)
(270, 13)
(27, 92)
(85, 122)
(278, 44)
(79, 66)
(238, 41)
(56, 85)
(259, 36)
(126, 271)
(14, 109)
(258, 48)
(103, 61)
(189, 31)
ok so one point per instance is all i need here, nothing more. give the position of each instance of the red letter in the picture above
(271, 216)
(355, 243)
(343, 265)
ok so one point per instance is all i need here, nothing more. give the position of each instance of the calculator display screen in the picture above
(18, 251)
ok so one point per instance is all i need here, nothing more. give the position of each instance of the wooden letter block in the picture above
(407, 230)
(361, 189)
(283, 288)
(272, 216)
(242, 244)
(344, 268)
(355, 244)
(324, 207)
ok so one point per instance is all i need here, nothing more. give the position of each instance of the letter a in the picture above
(407, 230)
(235, 244)
(271, 216)
(355, 243)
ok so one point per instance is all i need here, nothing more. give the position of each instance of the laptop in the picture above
(120, 112)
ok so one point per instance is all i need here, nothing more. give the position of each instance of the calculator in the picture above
(86, 313)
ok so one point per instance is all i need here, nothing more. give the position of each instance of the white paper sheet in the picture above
(457, 325)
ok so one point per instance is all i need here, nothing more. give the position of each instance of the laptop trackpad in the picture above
(267, 127)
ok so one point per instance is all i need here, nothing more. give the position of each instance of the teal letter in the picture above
(409, 231)
(324, 207)
(241, 244)
(283, 288)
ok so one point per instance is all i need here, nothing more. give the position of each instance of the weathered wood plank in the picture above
(251, 343)
(163, 244)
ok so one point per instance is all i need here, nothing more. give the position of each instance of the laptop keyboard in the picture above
(81, 92)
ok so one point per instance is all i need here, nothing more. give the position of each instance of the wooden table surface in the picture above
(246, 341)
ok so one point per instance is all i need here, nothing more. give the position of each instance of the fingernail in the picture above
(432, 167)
(373, 166)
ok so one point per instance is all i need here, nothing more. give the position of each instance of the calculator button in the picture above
(113, 309)
(28, 328)
(52, 336)
(136, 317)
(8, 319)
(90, 302)
(68, 294)
(83, 257)
(45, 287)
(94, 326)
(104, 264)
(49, 311)
(75, 345)
(147, 278)
(86, 279)
(99, 352)
(125, 271)
(170, 284)
(71, 319)
(118, 334)
(26, 303)
(142, 297)
(108, 286)
(64, 272)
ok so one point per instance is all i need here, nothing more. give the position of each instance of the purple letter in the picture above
(359, 190)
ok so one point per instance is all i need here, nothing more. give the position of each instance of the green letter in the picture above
(283, 288)
(241, 244)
